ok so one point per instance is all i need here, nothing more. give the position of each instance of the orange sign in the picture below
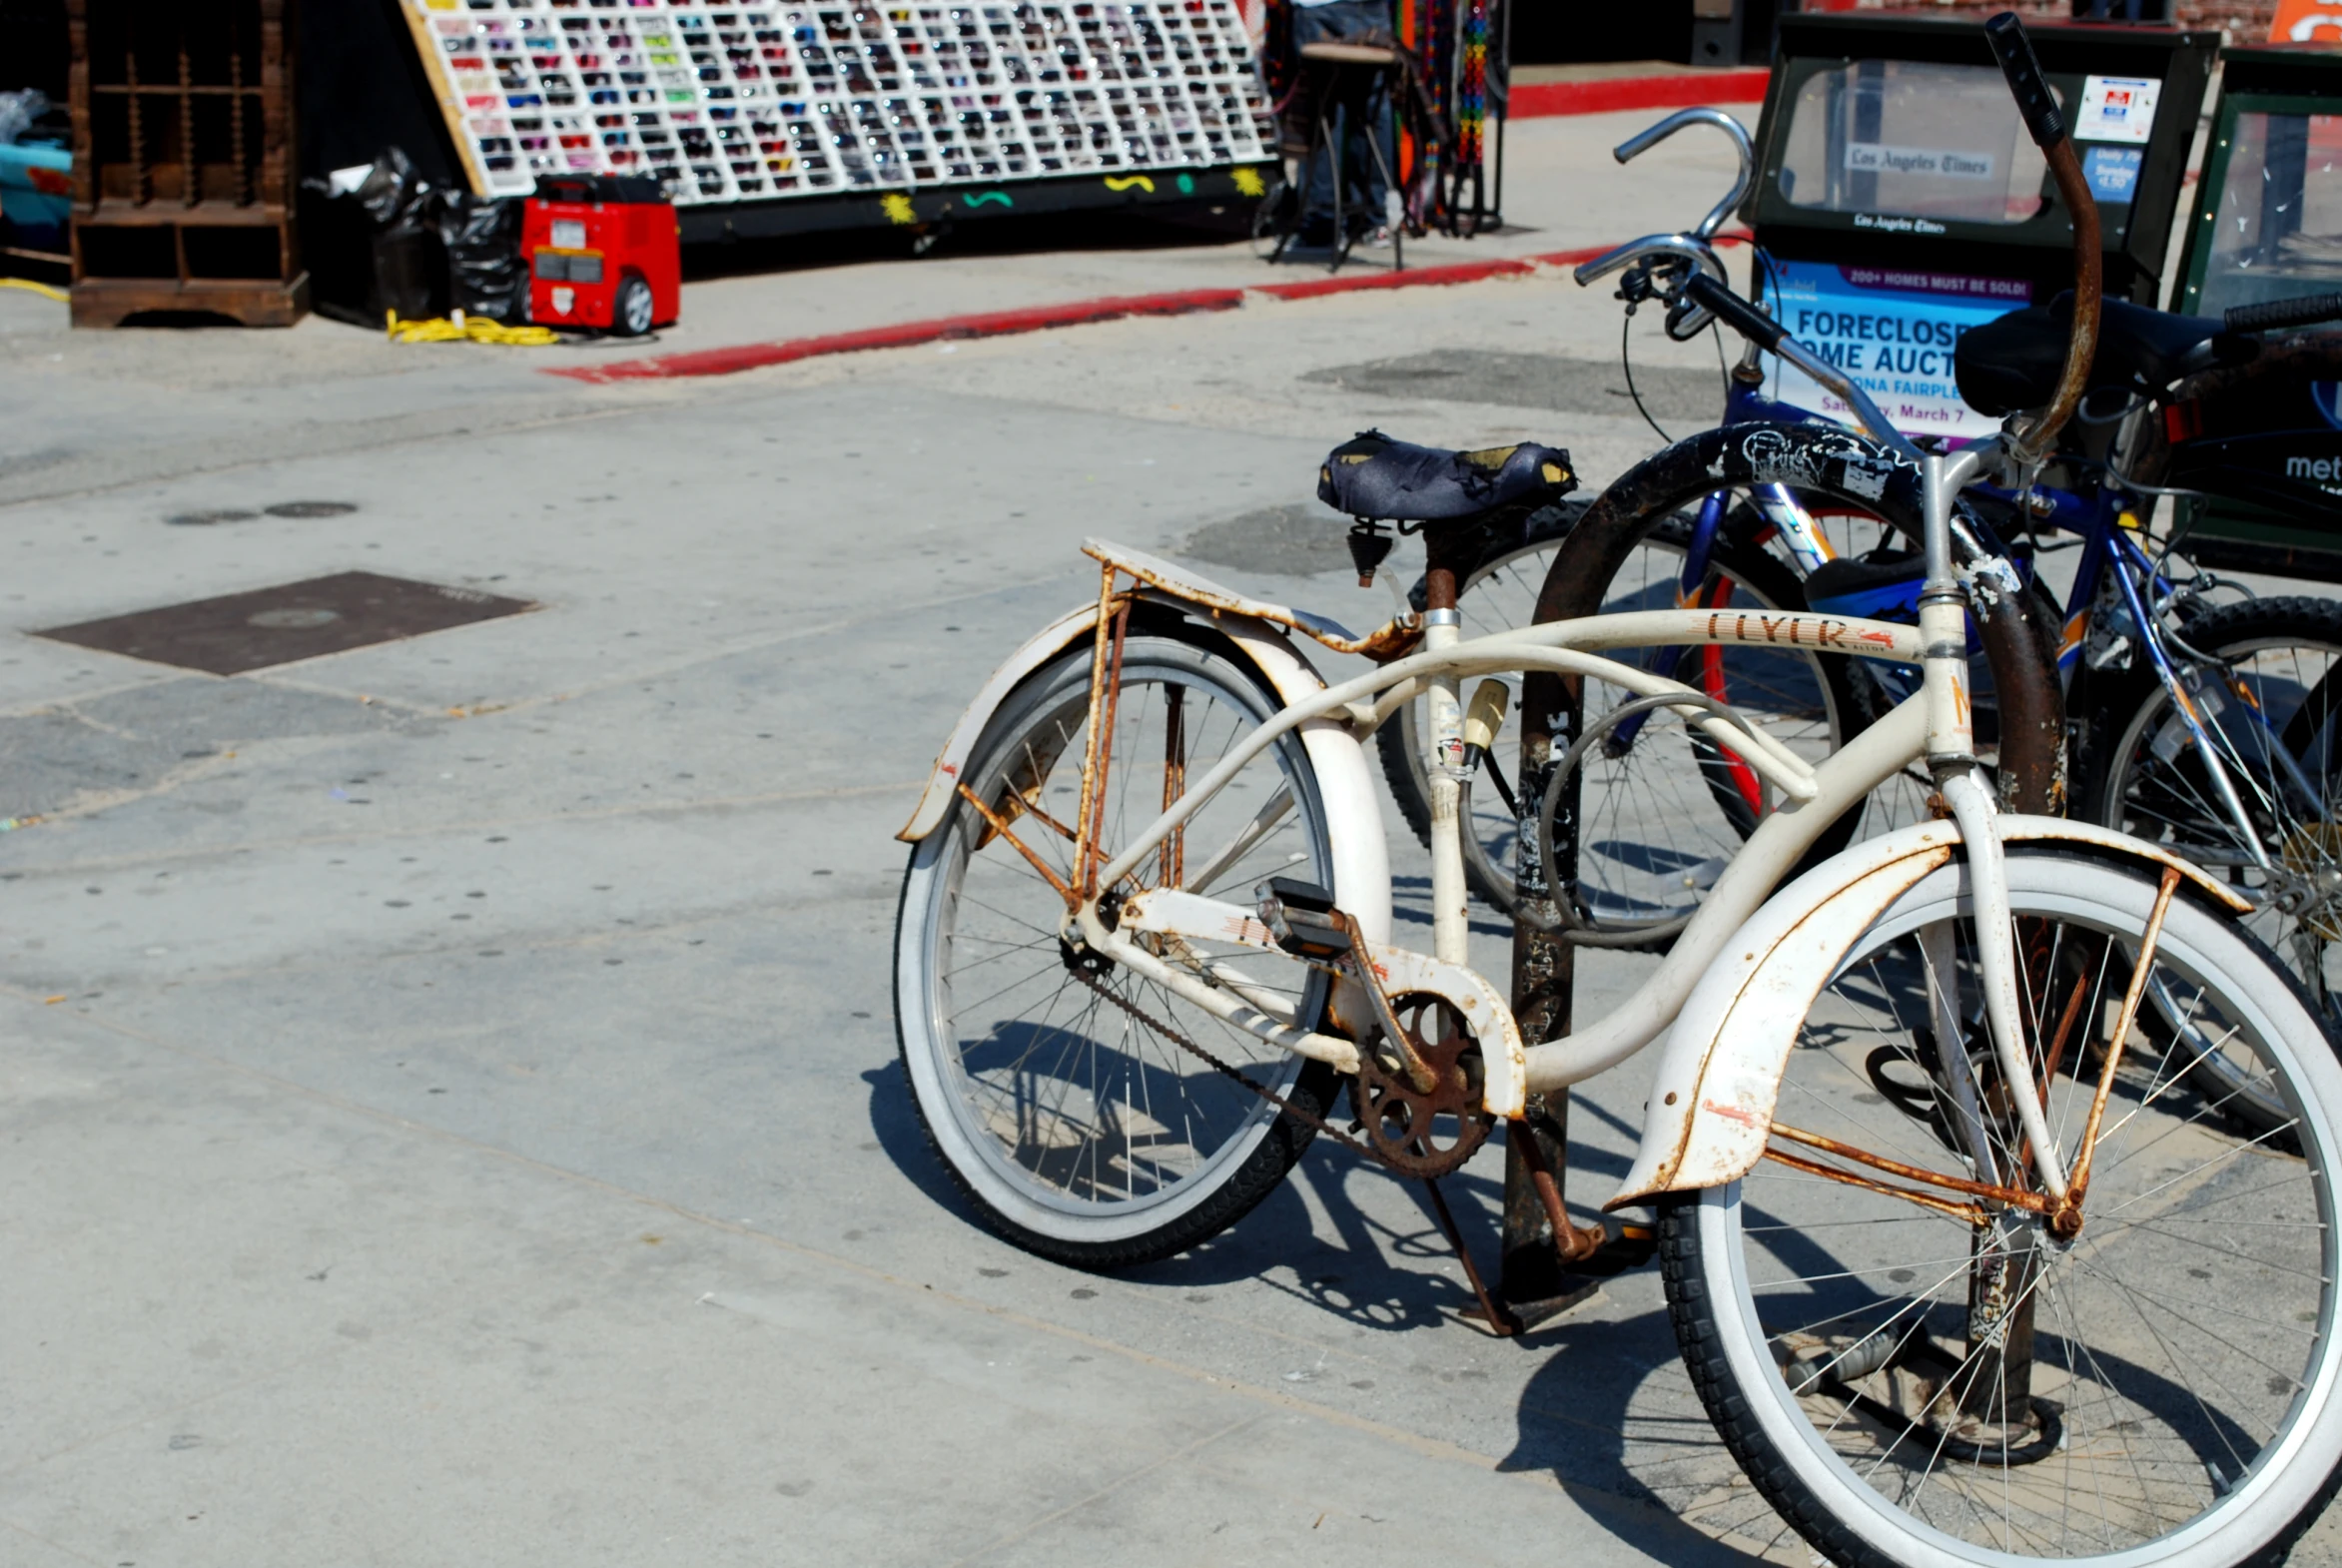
(2307, 22)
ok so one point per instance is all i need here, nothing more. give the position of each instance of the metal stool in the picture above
(1342, 77)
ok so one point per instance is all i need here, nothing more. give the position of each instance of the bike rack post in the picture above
(1534, 1284)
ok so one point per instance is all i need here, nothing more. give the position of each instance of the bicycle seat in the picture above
(1371, 476)
(2012, 362)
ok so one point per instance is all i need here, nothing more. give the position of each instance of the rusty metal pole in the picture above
(1534, 1284)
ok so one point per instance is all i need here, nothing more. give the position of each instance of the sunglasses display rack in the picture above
(740, 103)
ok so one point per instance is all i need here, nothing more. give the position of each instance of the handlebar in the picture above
(2033, 437)
(2272, 315)
(1643, 141)
(2014, 50)
(1690, 248)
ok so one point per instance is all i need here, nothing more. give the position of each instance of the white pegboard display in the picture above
(750, 102)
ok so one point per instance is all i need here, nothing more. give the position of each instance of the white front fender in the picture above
(1711, 1105)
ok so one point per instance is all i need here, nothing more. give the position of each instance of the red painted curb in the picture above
(902, 334)
(995, 323)
(1414, 278)
(1606, 95)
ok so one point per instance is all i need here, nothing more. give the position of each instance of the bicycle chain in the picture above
(1354, 1144)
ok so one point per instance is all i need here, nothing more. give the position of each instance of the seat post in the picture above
(1443, 761)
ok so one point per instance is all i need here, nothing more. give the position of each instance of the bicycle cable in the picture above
(1626, 363)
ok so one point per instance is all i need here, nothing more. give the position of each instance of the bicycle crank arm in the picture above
(1173, 915)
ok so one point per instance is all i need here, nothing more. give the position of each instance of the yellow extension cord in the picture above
(476, 328)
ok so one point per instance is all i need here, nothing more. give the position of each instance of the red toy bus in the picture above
(603, 252)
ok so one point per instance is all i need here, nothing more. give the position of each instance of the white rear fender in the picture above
(943, 780)
(1345, 784)
(1712, 1099)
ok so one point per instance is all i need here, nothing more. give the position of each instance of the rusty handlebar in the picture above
(2033, 435)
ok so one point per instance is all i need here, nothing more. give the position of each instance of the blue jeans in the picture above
(1365, 115)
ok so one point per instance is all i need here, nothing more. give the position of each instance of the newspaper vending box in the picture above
(1900, 201)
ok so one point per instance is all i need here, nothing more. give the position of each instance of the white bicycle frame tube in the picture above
(1813, 798)
(1450, 915)
(1951, 759)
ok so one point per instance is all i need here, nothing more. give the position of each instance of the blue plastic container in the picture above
(36, 192)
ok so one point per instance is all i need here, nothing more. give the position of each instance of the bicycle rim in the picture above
(1067, 1117)
(2270, 714)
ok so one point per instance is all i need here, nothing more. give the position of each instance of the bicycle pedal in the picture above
(1301, 919)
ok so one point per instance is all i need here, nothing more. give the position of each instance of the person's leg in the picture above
(1366, 120)
(1370, 137)
(1312, 23)
(1363, 198)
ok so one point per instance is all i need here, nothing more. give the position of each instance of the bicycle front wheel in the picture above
(1080, 1129)
(1907, 1385)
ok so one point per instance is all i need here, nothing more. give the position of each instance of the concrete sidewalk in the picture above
(448, 1104)
(96, 407)
(314, 1324)
(403, 995)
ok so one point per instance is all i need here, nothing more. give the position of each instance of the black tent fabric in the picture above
(362, 90)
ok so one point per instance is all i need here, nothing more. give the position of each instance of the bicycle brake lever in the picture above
(1686, 319)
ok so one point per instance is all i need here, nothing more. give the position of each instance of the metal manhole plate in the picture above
(298, 620)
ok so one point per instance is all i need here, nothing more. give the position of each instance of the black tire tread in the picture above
(2286, 618)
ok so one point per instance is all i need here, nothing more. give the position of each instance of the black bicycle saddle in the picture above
(1371, 476)
(2012, 362)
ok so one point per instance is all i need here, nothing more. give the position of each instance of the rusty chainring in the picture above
(1414, 1154)
(1405, 1125)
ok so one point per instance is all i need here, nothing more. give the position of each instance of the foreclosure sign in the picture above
(1893, 330)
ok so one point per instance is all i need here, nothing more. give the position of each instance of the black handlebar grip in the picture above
(2006, 34)
(2274, 314)
(1735, 311)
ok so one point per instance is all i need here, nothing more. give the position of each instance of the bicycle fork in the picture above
(1991, 1394)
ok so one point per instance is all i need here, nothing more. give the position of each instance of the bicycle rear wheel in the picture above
(1078, 1131)
(2271, 701)
(1907, 1386)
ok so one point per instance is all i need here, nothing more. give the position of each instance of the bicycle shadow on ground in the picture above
(1385, 1266)
(1348, 1250)
(1587, 1419)
(1282, 1244)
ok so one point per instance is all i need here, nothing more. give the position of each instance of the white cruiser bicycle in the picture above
(1964, 1265)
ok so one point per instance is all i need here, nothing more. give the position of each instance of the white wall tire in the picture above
(2114, 1308)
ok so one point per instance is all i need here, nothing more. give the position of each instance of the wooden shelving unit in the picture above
(182, 164)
